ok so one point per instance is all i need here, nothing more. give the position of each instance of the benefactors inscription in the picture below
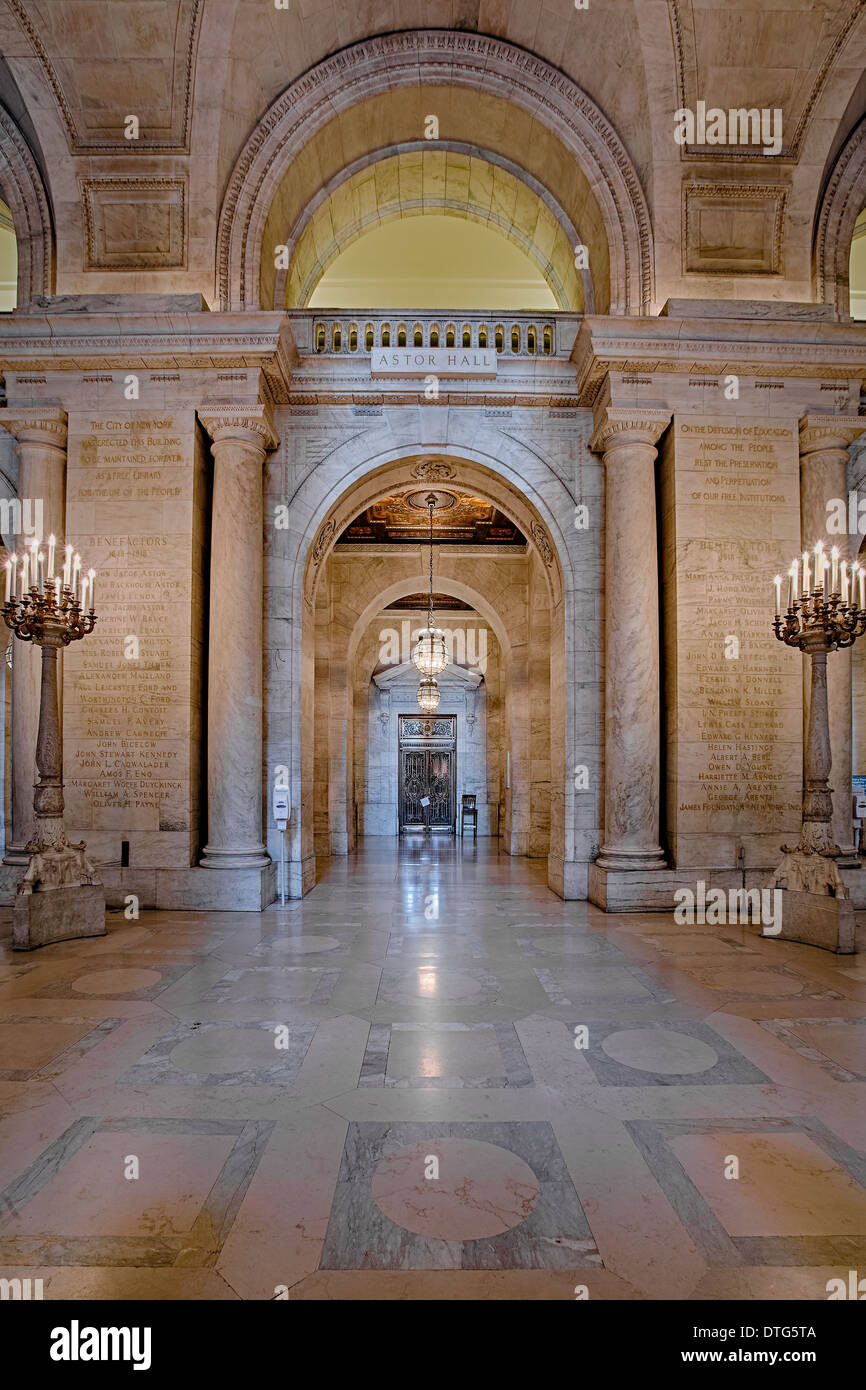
(132, 699)
(730, 503)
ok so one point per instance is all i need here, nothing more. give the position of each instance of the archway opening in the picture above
(504, 604)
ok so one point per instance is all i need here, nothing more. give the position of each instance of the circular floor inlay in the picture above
(303, 945)
(226, 1050)
(115, 981)
(481, 1191)
(671, 1054)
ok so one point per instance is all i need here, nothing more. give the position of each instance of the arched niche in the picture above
(490, 94)
(842, 201)
(23, 192)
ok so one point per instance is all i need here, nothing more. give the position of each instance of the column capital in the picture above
(819, 432)
(616, 426)
(248, 423)
(36, 425)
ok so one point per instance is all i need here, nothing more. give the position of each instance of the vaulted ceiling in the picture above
(199, 75)
(458, 518)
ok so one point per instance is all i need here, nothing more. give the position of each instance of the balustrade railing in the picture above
(512, 335)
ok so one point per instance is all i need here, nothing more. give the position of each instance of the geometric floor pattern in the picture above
(349, 1098)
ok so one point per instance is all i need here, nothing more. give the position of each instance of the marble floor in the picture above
(431, 1079)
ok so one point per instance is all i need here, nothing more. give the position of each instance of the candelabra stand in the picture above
(60, 895)
(815, 901)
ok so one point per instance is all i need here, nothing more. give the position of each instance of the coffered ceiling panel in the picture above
(106, 61)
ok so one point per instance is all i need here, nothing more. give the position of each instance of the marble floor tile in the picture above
(345, 1098)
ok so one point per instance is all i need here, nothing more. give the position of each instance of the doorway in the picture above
(427, 773)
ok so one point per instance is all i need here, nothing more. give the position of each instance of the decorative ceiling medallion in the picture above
(420, 500)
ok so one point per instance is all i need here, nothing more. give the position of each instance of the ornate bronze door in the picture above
(427, 773)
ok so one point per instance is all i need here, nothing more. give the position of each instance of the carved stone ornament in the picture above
(802, 872)
(63, 865)
(434, 471)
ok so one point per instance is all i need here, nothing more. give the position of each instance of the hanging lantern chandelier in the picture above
(430, 653)
(428, 695)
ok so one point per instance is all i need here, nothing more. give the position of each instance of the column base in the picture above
(215, 858)
(631, 859)
(17, 856)
(199, 890)
(57, 914)
(848, 859)
(625, 890)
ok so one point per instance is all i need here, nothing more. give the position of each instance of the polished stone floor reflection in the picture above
(431, 1079)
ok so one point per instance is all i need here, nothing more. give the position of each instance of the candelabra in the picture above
(820, 618)
(51, 611)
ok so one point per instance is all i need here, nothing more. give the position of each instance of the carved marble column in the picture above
(41, 440)
(627, 438)
(241, 435)
(824, 443)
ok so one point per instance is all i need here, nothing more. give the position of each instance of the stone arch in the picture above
(590, 152)
(527, 489)
(23, 191)
(842, 201)
(514, 212)
(418, 581)
(356, 615)
(512, 493)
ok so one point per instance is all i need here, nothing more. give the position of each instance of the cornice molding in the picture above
(749, 347)
(149, 342)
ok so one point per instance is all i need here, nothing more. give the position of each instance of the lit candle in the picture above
(806, 581)
(83, 593)
(792, 579)
(67, 567)
(76, 566)
(834, 573)
(34, 564)
(50, 571)
(819, 565)
(92, 577)
(24, 578)
(778, 583)
(861, 574)
(40, 571)
(844, 593)
(8, 580)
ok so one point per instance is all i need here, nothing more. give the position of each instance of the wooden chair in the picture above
(469, 809)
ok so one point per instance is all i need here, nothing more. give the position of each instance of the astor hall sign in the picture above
(444, 362)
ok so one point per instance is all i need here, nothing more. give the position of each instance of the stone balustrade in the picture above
(514, 335)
